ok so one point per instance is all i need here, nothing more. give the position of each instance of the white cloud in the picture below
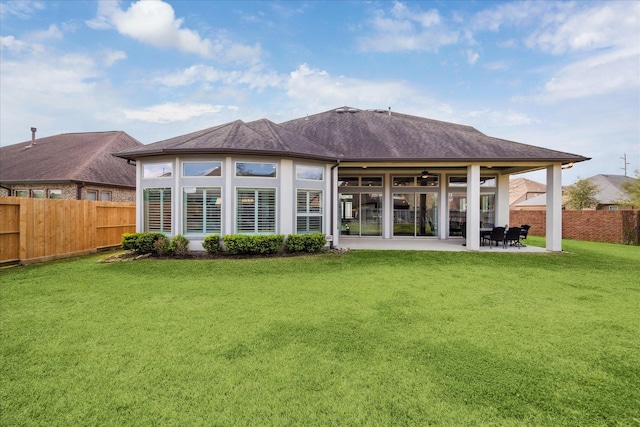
(172, 112)
(507, 118)
(472, 56)
(21, 8)
(404, 29)
(254, 78)
(113, 56)
(154, 23)
(51, 33)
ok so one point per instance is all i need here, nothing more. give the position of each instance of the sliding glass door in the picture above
(361, 214)
(415, 214)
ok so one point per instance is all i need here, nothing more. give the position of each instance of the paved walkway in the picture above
(427, 244)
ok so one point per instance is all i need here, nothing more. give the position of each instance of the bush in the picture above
(239, 244)
(211, 244)
(161, 246)
(129, 241)
(179, 245)
(305, 242)
(146, 242)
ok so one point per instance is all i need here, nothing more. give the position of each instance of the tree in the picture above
(633, 189)
(582, 195)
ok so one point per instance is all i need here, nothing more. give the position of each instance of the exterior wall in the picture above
(70, 191)
(594, 226)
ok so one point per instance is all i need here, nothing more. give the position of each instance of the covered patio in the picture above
(449, 245)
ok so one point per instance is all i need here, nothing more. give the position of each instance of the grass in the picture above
(363, 338)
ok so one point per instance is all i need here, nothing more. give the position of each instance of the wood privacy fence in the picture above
(34, 230)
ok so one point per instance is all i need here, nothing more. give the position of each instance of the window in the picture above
(92, 194)
(314, 173)
(488, 181)
(613, 208)
(309, 212)
(349, 181)
(457, 181)
(256, 210)
(55, 194)
(21, 193)
(202, 169)
(157, 170)
(105, 196)
(157, 210)
(202, 210)
(404, 181)
(365, 181)
(371, 181)
(37, 194)
(263, 170)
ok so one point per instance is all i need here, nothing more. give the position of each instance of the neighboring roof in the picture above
(351, 134)
(78, 157)
(519, 188)
(540, 200)
(610, 190)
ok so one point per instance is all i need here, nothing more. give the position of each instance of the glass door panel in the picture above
(426, 214)
(415, 214)
(457, 213)
(371, 214)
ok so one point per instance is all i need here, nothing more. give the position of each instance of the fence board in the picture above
(34, 230)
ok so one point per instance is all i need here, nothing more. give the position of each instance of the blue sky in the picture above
(561, 75)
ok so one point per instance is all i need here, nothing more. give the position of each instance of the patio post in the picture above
(473, 207)
(554, 208)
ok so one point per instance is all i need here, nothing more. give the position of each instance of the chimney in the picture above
(33, 136)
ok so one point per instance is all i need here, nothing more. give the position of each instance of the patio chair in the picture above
(497, 235)
(512, 237)
(524, 230)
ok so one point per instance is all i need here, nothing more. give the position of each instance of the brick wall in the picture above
(593, 226)
(70, 191)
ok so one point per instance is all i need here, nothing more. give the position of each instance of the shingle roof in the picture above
(80, 157)
(610, 188)
(352, 134)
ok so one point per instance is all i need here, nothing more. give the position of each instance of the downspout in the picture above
(332, 201)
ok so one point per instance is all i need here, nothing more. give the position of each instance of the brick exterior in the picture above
(70, 191)
(593, 226)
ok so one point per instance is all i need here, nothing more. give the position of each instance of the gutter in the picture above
(332, 201)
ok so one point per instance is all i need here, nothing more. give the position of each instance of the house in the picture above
(522, 189)
(365, 174)
(609, 194)
(70, 166)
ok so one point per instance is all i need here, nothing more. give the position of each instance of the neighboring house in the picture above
(521, 189)
(609, 194)
(70, 166)
(345, 172)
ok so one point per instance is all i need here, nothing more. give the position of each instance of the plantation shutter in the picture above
(256, 211)
(157, 210)
(202, 210)
(309, 212)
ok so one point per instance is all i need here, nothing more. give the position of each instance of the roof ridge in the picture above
(97, 153)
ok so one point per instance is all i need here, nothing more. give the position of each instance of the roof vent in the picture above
(33, 137)
(340, 110)
(353, 110)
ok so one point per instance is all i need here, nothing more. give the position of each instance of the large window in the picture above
(312, 173)
(309, 212)
(202, 169)
(202, 210)
(256, 211)
(157, 210)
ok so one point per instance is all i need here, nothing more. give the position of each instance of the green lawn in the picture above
(362, 338)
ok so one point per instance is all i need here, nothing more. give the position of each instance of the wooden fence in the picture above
(35, 230)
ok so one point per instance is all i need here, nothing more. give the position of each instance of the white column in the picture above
(286, 196)
(473, 207)
(228, 197)
(387, 216)
(332, 191)
(139, 197)
(176, 198)
(443, 203)
(502, 201)
(554, 208)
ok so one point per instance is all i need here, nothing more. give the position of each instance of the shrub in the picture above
(161, 245)
(179, 245)
(146, 242)
(211, 244)
(305, 242)
(129, 241)
(239, 244)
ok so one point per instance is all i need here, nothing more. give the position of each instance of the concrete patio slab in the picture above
(427, 244)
